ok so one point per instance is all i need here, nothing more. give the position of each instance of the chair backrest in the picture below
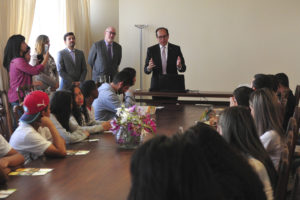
(296, 115)
(23, 91)
(18, 112)
(291, 136)
(297, 94)
(6, 127)
(283, 175)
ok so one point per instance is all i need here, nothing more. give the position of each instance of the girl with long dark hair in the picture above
(237, 127)
(61, 110)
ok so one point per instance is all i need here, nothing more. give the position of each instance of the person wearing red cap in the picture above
(27, 138)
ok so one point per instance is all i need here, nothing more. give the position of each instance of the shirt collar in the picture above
(106, 43)
(161, 46)
(69, 50)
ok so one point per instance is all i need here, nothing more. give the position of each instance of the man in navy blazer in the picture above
(105, 56)
(163, 58)
(71, 64)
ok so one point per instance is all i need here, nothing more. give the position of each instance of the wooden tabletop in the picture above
(101, 174)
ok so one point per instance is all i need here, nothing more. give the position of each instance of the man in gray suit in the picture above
(105, 56)
(71, 64)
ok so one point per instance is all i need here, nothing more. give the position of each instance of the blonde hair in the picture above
(40, 43)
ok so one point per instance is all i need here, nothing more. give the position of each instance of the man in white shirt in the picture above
(71, 63)
(27, 140)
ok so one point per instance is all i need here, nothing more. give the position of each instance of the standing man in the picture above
(105, 56)
(71, 64)
(163, 58)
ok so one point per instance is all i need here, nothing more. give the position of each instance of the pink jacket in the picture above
(20, 74)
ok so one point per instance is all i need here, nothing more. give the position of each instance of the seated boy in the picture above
(8, 156)
(27, 140)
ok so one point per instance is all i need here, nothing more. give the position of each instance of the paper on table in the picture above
(77, 152)
(30, 172)
(6, 193)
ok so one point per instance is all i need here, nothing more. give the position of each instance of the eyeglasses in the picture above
(162, 36)
(112, 33)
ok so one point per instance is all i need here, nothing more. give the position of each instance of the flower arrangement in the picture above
(130, 125)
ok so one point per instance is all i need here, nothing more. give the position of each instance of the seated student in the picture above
(165, 168)
(237, 127)
(286, 97)
(241, 96)
(179, 168)
(128, 95)
(264, 109)
(80, 116)
(90, 93)
(27, 140)
(61, 109)
(108, 100)
(234, 175)
(262, 81)
(8, 156)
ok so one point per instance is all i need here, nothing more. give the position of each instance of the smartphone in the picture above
(46, 48)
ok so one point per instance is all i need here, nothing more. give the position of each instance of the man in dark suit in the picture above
(105, 56)
(163, 58)
(71, 64)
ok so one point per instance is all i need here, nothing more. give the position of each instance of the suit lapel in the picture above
(104, 49)
(159, 58)
(69, 56)
(170, 53)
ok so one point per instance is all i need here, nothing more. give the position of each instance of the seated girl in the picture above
(80, 117)
(61, 110)
(265, 111)
(237, 127)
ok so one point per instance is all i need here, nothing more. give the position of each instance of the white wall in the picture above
(103, 13)
(224, 43)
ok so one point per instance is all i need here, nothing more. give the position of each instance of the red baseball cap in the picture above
(33, 104)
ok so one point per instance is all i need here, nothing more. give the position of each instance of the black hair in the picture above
(274, 82)
(131, 72)
(242, 95)
(60, 106)
(87, 87)
(123, 76)
(262, 81)
(161, 28)
(238, 129)
(68, 34)
(283, 79)
(27, 50)
(12, 49)
(235, 177)
(76, 111)
(168, 168)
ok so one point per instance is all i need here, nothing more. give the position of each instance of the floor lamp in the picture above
(141, 27)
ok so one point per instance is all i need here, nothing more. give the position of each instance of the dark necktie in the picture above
(109, 51)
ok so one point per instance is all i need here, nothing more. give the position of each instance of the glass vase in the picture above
(127, 139)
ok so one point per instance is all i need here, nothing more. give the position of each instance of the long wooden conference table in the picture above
(101, 174)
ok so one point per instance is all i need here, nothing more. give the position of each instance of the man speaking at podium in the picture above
(163, 58)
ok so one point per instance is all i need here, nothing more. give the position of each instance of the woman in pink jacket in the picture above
(20, 72)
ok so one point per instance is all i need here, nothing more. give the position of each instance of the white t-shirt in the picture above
(27, 141)
(272, 143)
(4, 147)
(262, 173)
